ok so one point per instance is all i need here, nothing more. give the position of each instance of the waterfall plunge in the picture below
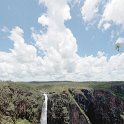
(43, 119)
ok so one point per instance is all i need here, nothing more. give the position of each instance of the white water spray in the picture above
(43, 119)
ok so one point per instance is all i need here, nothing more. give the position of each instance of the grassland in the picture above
(61, 86)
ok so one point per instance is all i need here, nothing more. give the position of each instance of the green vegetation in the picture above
(22, 121)
(5, 119)
(19, 100)
(122, 115)
(59, 86)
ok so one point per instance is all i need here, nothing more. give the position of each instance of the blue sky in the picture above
(25, 13)
(93, 31)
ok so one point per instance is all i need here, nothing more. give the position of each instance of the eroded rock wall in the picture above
(102, 107)
(62, 110)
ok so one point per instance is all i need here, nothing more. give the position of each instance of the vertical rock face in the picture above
(61, 110)
(58, 105)
(102, 107)
(107, 108)
(76, 117)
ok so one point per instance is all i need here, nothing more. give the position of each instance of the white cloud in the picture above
(5, 29)
(58, 42)
(106, 26)
(60, 60)
(22, 63)
(110, 12)
(113, 12)
(103, 69)
(43, 20)
(120, 40)
(89, 10)
(22, 52)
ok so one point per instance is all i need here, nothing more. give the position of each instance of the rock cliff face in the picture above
(68, 107)
(102, 107)
(63, 110)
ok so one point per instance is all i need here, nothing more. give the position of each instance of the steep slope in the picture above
(101, 106)
(62, 109)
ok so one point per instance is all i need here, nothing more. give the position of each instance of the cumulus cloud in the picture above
(43, 20)
(110, 17)
(106, 26)
(58, 42)
(20, 63)
(22, 52)
(89, 10)
(110, 12)
(113, 12)
(60, 60)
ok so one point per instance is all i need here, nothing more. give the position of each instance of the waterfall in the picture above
(43, 119)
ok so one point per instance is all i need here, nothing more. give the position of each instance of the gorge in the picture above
(62, 104)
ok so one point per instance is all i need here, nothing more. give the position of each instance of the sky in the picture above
(47, 40)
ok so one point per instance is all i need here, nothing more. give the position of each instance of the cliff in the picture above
(22, 104)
